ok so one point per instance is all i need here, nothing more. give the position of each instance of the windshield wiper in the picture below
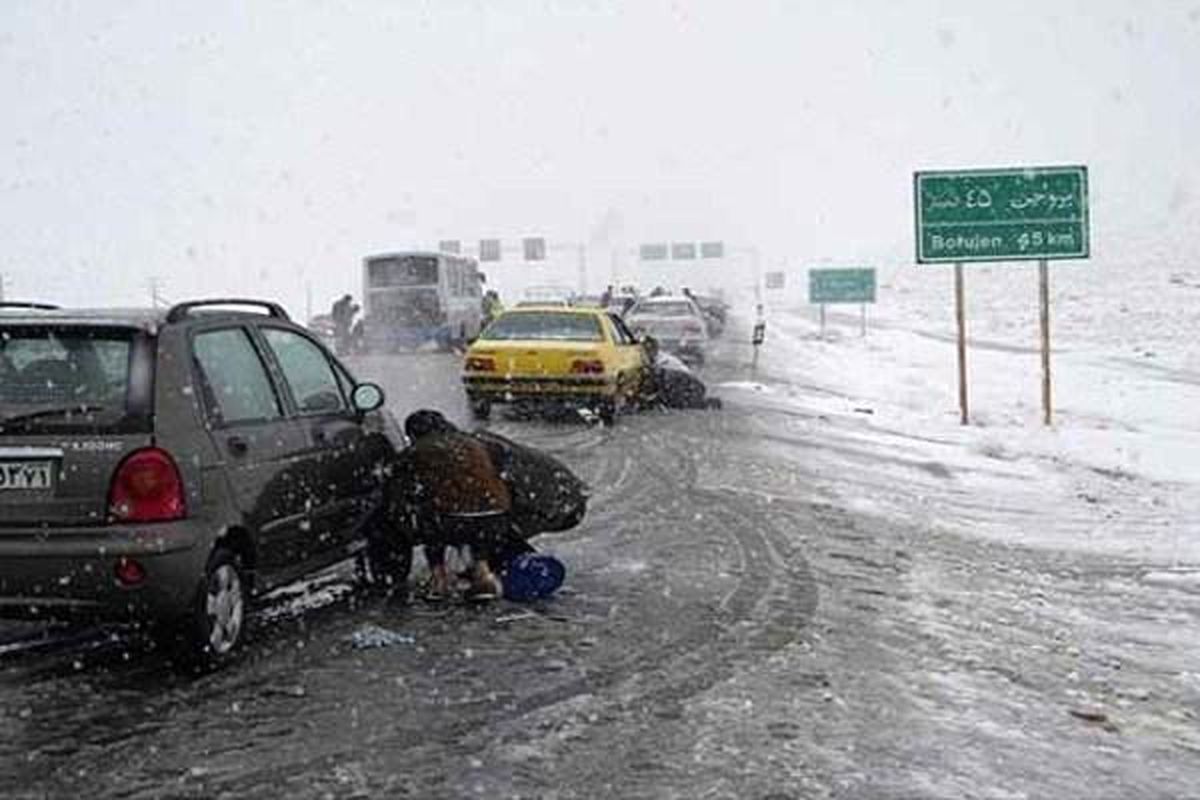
(55, 411)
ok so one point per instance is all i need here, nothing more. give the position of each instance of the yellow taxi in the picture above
(550, 354)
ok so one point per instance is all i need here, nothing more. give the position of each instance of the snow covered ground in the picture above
(1117, 473)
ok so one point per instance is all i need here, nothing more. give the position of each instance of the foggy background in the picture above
(222, 149)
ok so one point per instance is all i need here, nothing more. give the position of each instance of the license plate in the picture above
(26, 475)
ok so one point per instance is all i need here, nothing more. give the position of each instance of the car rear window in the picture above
(57, 377)
(665, 309)
(545, 325)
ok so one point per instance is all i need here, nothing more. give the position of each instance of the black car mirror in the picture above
(367, 397)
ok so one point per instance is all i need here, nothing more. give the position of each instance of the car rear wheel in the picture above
(606, 410)
(212, 634)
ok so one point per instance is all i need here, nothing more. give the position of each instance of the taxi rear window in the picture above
(545, 325)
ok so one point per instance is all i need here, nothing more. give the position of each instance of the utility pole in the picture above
(152, 284)
(3, 281)
(582, 269)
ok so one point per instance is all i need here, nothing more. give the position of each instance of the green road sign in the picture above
(841, 286)
(1001, 214)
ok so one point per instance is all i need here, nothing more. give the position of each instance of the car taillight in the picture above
(146, 488)
(588, 366)
(692, 327)
(478, 364)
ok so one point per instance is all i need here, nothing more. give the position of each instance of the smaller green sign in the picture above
(841, 286)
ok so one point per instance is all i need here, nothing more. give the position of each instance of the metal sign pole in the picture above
(863, 308)
(961, 314)
(822, 322)
(1044, 296)
(757, 338)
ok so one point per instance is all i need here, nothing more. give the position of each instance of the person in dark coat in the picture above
(343, 313)
(447, 490)
(670, 384)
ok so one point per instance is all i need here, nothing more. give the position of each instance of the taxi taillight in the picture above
(587, 366)
(480, 364)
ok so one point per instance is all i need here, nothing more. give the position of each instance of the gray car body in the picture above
(671, 330)
(58, 552)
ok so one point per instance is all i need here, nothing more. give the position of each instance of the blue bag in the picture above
(532, 576)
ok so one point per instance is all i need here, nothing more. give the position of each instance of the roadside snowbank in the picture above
(1118, 472)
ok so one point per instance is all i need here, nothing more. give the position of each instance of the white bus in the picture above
(415, 298)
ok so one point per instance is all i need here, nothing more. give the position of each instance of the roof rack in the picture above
(181, 310)
(34, 306)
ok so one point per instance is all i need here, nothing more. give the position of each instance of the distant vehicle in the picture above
(416, 298)
(578, 356)
(543, 304)
(618, 308)
(322, 326)
(587, 301)
(559, 295)
(621, 303)
(716, 313)
(168, 466)
(676, 322)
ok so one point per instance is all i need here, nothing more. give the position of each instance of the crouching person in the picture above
(446, 491)
(670, 383)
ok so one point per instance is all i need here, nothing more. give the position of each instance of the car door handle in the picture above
(320, 436)
(237, 445)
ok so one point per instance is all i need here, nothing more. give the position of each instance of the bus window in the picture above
(402, 271)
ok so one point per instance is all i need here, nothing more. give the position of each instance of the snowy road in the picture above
(730, 628)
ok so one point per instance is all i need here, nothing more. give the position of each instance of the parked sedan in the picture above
(169, 466)
(537, 356)
(676, 322)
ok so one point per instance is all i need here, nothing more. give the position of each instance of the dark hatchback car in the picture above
(168, 466)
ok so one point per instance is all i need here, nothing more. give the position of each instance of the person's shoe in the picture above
(437, 588)
(430, 593)
(485, 588)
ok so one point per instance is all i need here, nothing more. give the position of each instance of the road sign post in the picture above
(1031, 214)
(1044, 298)
(760, 334)
(960, 314)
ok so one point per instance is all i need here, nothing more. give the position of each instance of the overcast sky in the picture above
(228, 150)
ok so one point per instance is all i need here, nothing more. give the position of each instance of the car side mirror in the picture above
(367, 397)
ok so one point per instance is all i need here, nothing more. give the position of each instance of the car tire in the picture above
(606, 410)
(213, 633)
(481, 410)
